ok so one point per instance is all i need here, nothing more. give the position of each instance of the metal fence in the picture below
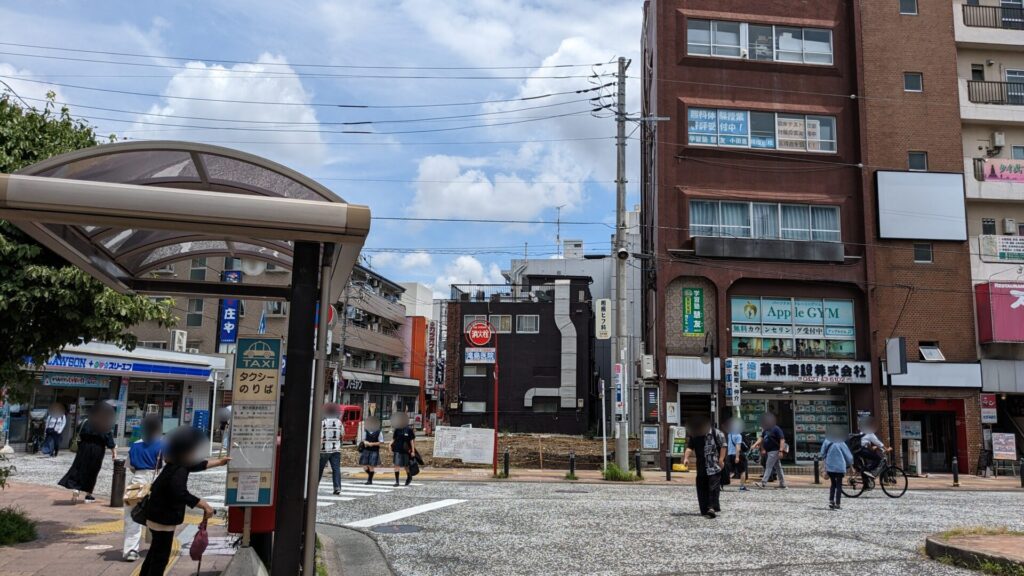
(994, 17)
(984, 92)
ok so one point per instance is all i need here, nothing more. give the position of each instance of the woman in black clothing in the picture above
(94, 439)
(403, 445)
(169, 495)
(369, 457)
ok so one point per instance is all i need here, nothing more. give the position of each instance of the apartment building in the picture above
(990, 66)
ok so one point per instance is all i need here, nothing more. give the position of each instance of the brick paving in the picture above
(81, 539)
(1008, 546)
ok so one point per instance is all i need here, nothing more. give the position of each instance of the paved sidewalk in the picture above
(933, 482)
(987, 546)
(86, 539)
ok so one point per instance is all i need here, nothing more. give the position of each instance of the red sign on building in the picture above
(1000, 311)
(479, 333)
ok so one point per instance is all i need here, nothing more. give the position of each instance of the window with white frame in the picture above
(502, 323)
(765, 220)
(197, 271)
(763, 42)
(276, 308)
(729, 128)
(474, 370)
(527, 323)
(194, 317)
(470, 318)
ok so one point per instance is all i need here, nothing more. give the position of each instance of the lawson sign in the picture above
(126, 367)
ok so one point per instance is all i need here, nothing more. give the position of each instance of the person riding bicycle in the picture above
(871, 448)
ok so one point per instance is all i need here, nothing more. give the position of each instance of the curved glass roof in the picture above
(171, 164)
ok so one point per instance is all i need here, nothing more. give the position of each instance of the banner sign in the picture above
(1001, 248)
(733, 382)
(1000, 311)
(75, 380)
(826, 371)
(693, 312)
(256, 391)
(1004, 169)
(481, 355)
(603, 318)
(793, 327)
(1004, 446)
(988, 409)
(227, 331)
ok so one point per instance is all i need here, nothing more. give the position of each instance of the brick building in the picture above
(789, 119)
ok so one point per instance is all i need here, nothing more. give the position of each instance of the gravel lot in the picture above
(510, 528)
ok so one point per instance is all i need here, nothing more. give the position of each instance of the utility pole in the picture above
(621, 256)
(344, 332)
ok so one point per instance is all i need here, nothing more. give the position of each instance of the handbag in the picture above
(361, 447)
(140, 511)
(414, 468)
(136, 492)
(199, 543)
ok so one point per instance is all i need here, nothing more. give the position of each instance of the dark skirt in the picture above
(369, 458)
(401, 459)
(85, 469)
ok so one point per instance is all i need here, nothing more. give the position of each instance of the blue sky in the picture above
(543, 161)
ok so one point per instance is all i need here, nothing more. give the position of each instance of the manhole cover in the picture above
(99, 547)
(572, 491)
(396, 529)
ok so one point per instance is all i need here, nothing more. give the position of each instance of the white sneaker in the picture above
(131, 556)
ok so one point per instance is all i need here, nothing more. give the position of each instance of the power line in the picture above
(313, 143)
(301, 65)
(312, 104)
(490, 221)
(291, 74)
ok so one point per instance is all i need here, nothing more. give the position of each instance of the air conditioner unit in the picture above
(1009, 226)
(179, 340)
(998, 139)
(193, 350)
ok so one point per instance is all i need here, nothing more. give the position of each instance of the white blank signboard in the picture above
(921, 206)
(471, 445)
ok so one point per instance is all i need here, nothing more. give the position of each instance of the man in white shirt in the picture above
(871, 448)
(55, 423)
(331, 436)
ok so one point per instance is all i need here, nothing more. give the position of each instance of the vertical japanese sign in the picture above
(988, 409)
(620, 406)
(256, 391)
(603, 319)
(429, 373)
(693, 312)
(227, 321)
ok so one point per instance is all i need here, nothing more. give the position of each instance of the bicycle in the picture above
(892, 479)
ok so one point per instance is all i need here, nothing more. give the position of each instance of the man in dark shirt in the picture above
(708, 445)
(773, 445)
(403, 445)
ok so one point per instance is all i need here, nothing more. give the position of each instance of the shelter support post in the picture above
(294, 412)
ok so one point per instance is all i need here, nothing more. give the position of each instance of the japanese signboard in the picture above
(603, 318)
(910, 429)
(227, 330)
(1004, 248)
(430, 371)
(480, 355)
(1004, 446)
(651, 437)
(693, 312)
(793, 327)
(1000, 311)
(988, 409)
(825, 371)
(471, 445)
(257, 389)
(652, 404)
(76, 380)
(1004, 169)
(620, 406)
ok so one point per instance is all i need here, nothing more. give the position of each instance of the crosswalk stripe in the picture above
(334, 498)
(381, 485)
(347, 490)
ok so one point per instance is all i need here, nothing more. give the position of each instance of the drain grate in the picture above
(396, 529)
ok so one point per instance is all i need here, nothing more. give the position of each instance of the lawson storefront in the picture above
(174, 385)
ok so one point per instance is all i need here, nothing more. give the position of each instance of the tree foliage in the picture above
(45, 303)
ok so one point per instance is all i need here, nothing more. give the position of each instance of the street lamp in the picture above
(708, 357)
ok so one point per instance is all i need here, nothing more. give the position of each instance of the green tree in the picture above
(45, 303)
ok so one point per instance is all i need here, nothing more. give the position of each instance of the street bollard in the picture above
(956, 472)
(117, 484)
(636, 464)
(817, 469)
(505, 464)
(572, 464)
(668, 466)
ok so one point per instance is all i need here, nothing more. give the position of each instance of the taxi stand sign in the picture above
(257, 392)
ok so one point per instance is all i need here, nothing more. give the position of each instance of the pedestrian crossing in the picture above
(350, 490)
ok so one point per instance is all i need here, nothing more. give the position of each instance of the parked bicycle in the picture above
(891, 479)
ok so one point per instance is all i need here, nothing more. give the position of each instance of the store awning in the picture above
(109, 360)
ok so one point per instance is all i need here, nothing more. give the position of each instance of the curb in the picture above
(940, 549)
(351, 552)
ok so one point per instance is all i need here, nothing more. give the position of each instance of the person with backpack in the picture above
(707, 443)
(736, 456)
(838, 458)
(144, 461)
(56, 420)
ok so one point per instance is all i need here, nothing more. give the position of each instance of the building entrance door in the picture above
(938, 439)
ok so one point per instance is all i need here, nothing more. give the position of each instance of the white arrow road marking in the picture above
(385, 518)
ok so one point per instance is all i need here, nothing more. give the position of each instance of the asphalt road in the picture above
(511, 528)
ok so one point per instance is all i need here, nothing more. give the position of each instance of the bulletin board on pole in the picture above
(256, 397)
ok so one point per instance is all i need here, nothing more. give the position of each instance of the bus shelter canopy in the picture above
(121, 211)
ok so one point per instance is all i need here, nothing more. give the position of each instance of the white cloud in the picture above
(269, 79)
(381, 259)
(27, 90)
(416, 260)
(466, 270)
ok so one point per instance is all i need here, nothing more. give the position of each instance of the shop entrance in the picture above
(804, 414)
(937, 439)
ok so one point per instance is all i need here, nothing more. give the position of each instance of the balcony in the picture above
(376, 305)
(992, 102)
(994, 179)
(360, 338)
(991, 27)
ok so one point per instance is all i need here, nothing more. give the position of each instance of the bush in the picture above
(615, 474)
(15, 527)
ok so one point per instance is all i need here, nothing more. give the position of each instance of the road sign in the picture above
(479, 333)
(256, 391)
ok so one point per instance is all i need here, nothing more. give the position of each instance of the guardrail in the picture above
(993, 17)
(984, 92)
